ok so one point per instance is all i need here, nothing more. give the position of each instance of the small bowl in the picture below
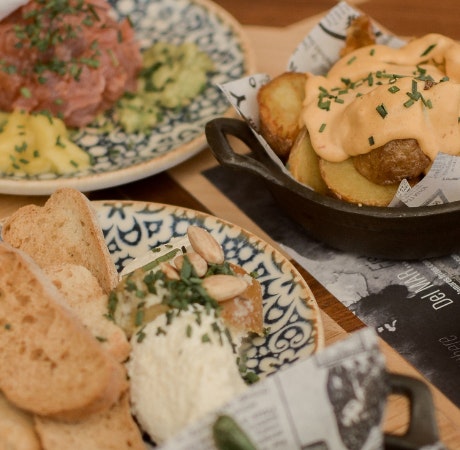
(399, 233)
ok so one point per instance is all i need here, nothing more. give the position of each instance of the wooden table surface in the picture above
(273, 27)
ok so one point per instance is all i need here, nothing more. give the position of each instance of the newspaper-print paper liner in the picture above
(318, 51)
(333, 400)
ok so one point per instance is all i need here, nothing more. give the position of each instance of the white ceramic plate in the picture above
(290, 310)
(121, 158)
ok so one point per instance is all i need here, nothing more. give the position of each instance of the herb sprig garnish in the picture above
(335, 95)
(45, 28)
(177, 295)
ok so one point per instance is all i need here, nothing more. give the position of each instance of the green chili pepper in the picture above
(228, 435)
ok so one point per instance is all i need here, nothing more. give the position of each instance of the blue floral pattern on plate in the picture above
(121, 158)
(291, 316)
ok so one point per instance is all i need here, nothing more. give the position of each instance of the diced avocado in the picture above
(171, 77)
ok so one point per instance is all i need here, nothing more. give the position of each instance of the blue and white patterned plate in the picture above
(121, 158)
(290, 310)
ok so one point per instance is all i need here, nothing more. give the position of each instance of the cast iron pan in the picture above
(391, 233)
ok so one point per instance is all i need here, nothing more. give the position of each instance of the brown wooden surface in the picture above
(273, 28)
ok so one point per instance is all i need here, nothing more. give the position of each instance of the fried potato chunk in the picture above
(394, 161)
(347, 184)
(303, 163)
(359, 34)
(280, 106)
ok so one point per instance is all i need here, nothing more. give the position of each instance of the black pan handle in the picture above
(422, 430)
(217, 132)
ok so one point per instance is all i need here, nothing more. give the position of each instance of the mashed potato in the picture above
(181, 370)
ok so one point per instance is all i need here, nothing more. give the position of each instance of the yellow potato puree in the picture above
(377, 94)
(36, 143)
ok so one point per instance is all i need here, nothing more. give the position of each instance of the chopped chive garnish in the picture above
(369, 79)
(322, 127)
(371, 140)
(25, 92)
(428, 49)
(160, 331)
(382, 110)
(426, 102)
(351, 60)
(140, 335)
(21, 148)
(324, 105)
(393, 89)
(415, 92)
(59, 142)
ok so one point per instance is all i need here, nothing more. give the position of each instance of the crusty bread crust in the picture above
(113, 429)
(50, 364)
(17, 430)
(244, 314)
(64, 230)
(85, 297)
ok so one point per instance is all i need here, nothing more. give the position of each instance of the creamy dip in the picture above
(377, 94)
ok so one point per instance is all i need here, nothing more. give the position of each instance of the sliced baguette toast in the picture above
(17, 430)
(64, 230)
(113, 429)
(50, 364)
(85, 297)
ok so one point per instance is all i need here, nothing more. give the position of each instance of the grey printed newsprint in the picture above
(414, 306)
(334, 400)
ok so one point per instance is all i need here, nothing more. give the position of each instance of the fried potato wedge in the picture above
(359, 34)
(280, 106)
(347, 184)
(394, 161)
(303, 163)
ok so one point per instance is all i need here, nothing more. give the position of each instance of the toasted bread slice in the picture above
(50, 364)
(113, 429)
(17, 431)
(244, 314)
(280, 105)
(64, 230)
(83, 294)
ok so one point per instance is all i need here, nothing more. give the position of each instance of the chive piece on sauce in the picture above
(428, 49)
(382, 110)
(351, 60)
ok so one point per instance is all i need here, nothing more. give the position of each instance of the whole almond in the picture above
(205, 245)
(170, 271)
(198, 262)
(224, 287)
